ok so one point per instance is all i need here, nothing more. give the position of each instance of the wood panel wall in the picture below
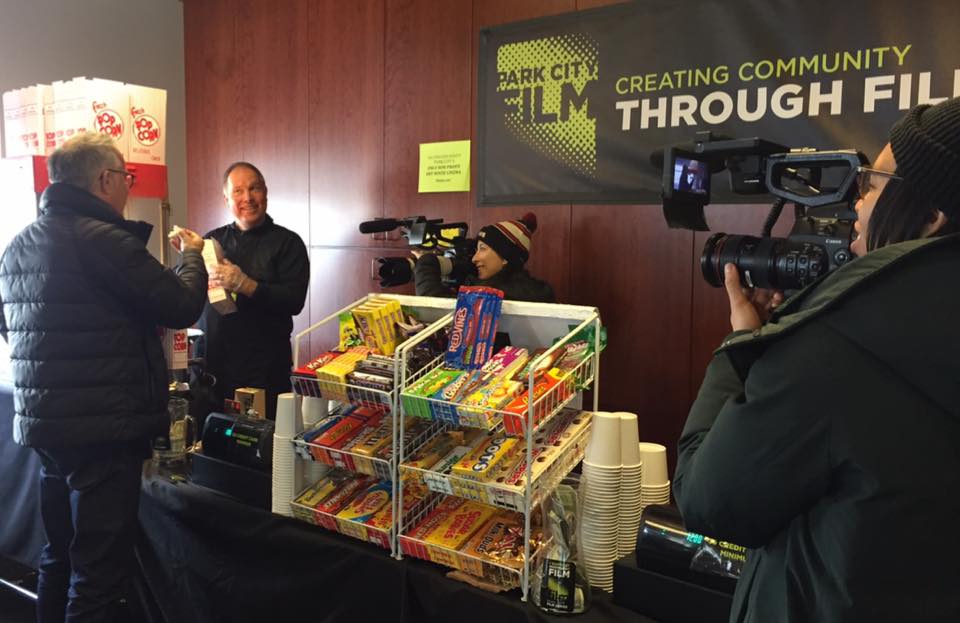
(332, 98)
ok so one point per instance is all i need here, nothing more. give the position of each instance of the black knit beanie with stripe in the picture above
(510, 239)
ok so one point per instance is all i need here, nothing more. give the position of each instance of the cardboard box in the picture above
(251, 398)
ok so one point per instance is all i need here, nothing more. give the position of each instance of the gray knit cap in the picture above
(926, 146)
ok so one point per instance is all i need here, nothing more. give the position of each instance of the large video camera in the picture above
(821, 184)
(448, 240)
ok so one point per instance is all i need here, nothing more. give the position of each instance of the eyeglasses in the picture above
(866, 177)
(128, 177)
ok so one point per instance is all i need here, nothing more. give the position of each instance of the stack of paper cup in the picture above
(600, 499)
(630, 482)
(655, 484)
(285, 463)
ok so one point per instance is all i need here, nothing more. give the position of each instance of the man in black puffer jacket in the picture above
(81, 301)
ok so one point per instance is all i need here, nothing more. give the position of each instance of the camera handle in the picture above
(775, 210)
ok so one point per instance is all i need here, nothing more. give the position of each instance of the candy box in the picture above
(410, 543)
(362, 508)
(454, 530)
(480, 464)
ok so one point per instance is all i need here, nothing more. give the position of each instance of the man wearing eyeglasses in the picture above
(80, 302)
(267, 268)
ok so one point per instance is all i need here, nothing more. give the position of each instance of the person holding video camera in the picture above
(826, 433)
(502, 250)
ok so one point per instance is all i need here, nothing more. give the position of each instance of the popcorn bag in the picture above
(110, 107)
(148, 119)
(82, 105)
(175, 348)
(23, 120)
(220, 299)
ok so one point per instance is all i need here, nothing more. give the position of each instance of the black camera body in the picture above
(448, 240)
(821, 184)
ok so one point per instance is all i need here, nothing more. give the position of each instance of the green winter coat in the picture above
(829, 442)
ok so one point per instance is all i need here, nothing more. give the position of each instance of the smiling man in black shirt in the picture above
(267, 268)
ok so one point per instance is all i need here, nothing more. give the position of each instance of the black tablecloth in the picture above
(206, 557)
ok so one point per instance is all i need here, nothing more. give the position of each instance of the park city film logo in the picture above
(544, 85)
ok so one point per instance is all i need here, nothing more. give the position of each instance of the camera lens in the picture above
(772, 263)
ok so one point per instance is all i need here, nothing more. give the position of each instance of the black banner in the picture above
(572, 106)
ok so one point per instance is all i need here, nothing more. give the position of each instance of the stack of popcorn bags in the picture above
(40, 118)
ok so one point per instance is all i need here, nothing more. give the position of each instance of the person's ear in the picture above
(937, 220)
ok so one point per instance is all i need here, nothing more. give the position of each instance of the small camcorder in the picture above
(820, 184)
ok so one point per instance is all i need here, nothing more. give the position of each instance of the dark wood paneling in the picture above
(627, 262)
(346, 119)
(428, 98)
(214, 127)
(273, 79)
(550, 256)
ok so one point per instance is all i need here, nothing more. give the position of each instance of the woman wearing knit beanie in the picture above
(827, 438)
(502, 251)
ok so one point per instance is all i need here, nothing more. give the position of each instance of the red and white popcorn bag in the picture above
(23, 120)
(148, 119)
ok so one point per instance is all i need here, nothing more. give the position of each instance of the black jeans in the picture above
(89, 498)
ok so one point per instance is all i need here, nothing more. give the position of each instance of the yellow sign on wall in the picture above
(444, 167)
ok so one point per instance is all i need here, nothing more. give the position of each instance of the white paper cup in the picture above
(604, 446)
(629, 438)
(654, 457)
(314, 409)
(286, 423)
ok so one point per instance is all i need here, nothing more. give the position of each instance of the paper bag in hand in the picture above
(220, 299)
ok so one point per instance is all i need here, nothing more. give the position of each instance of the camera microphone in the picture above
(379, 225)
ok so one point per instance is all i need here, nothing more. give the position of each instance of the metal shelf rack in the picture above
(435, 313)
(531, 325)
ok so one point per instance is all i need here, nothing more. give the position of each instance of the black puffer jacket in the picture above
(81, 301)
(517, 285)
(829, 441)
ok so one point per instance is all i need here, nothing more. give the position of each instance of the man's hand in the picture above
(184, 239)
(749, 307)
(417, 252)
(228, 275)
